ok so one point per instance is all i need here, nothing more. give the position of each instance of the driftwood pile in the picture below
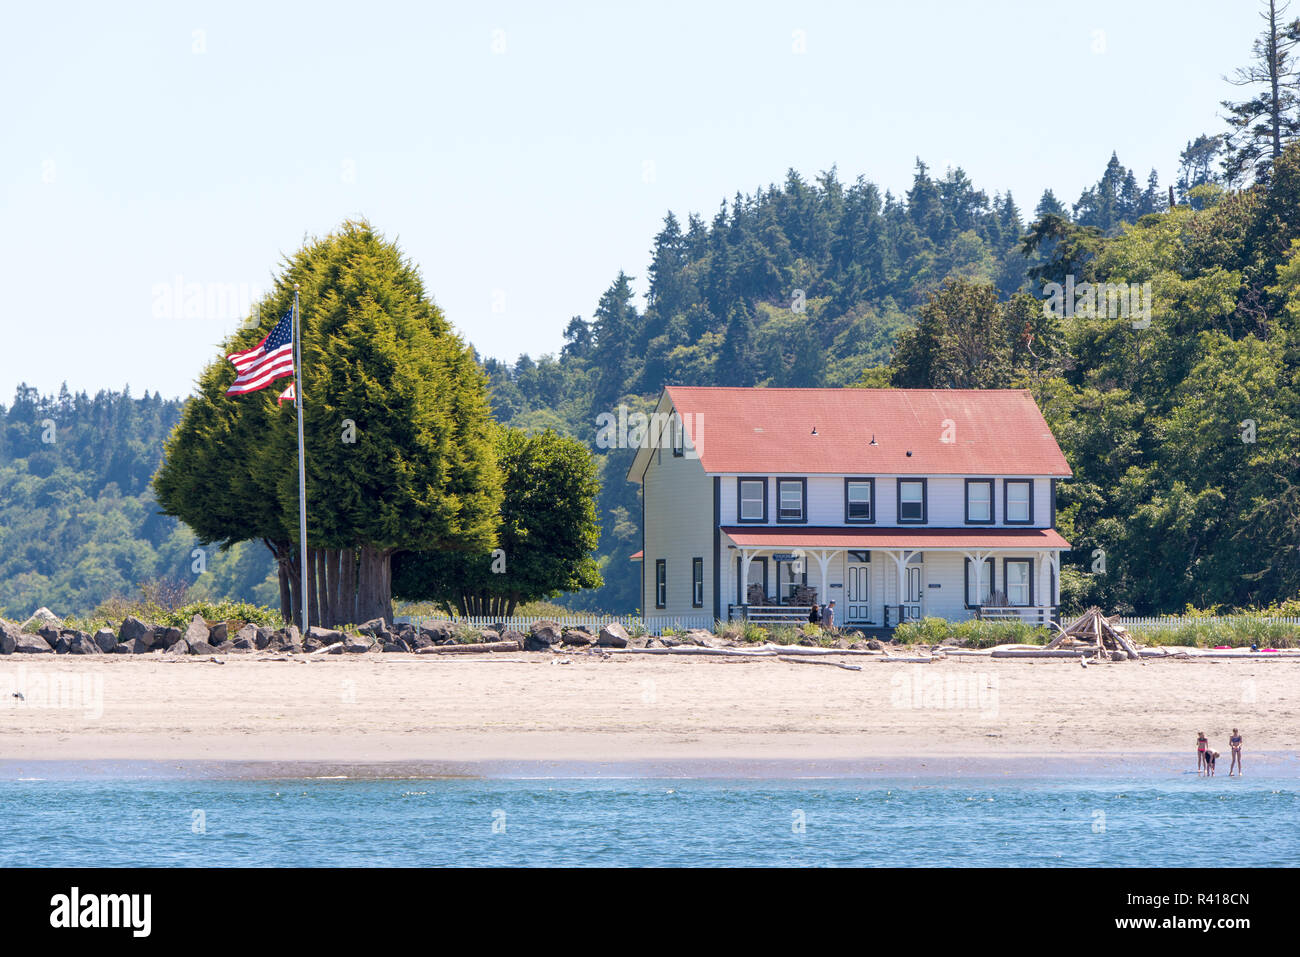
(1093, 631)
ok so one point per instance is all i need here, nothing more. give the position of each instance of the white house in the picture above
(896, 503)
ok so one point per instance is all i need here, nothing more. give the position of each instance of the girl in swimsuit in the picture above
(1235, 743)
(1201, 744)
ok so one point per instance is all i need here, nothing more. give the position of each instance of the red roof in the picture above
(866, 538)
(636, 556)
(917, 431)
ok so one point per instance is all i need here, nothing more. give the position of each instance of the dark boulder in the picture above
(356, 644)
(218, 633)
(84, 644)
(327, 636)
(197, 631)
(106, 640)
(612, 635)
(29, 644)
(578, 636)
(125, 647)
(545, 632)
(133, 629)
(436, 631)
(181, 647)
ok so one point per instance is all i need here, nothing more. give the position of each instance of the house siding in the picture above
(678, 527)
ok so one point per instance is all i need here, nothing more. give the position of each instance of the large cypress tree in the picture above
(396, 416)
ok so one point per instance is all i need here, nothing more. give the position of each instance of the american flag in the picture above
(270, 359)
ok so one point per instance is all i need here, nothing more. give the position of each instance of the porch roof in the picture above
(871, 537)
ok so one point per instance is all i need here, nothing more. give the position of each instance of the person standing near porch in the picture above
(815, 615)
(828, 616)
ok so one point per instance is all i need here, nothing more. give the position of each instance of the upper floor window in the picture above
(911, 501)
(751, 500)
(1018, 504)
(790, 500)
(859, 500)
(979, 501)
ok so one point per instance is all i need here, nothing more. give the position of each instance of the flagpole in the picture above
(302, 467)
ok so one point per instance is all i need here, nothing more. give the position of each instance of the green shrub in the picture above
(466, 634)
(1208, 634)
(730, 630)
(784, 634)
(110, 613)
(973, 633)
(753, 633)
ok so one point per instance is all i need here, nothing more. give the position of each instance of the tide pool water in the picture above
(845, 822)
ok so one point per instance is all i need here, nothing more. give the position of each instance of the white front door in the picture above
(857, 594)
(913, 588)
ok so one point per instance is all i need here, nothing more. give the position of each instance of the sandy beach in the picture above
(587, 708)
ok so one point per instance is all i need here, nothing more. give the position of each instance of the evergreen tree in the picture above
(395, 411)
(1260, 126)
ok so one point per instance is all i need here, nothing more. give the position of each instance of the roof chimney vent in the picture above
(873, 440)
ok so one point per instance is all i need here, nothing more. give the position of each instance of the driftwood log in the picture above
(795, 660)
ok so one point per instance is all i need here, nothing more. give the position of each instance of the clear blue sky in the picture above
(520, 153)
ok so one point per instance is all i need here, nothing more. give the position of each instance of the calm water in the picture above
(1177, 821)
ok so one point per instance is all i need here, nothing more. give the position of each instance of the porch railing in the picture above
(769, 614)
(1029, 614)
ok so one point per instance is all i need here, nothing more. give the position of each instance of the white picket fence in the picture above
(654, 625)
(1181, 621)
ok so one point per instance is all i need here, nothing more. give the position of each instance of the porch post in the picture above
(900, 557)
(746, 555)
(823, 560)
(978, 558)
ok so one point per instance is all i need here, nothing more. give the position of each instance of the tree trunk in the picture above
(333, 600)
(313, 613)
(292, 570)
(286, 602)
(386, 596)
(322, 592)
(280, 551)
(348, 585)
